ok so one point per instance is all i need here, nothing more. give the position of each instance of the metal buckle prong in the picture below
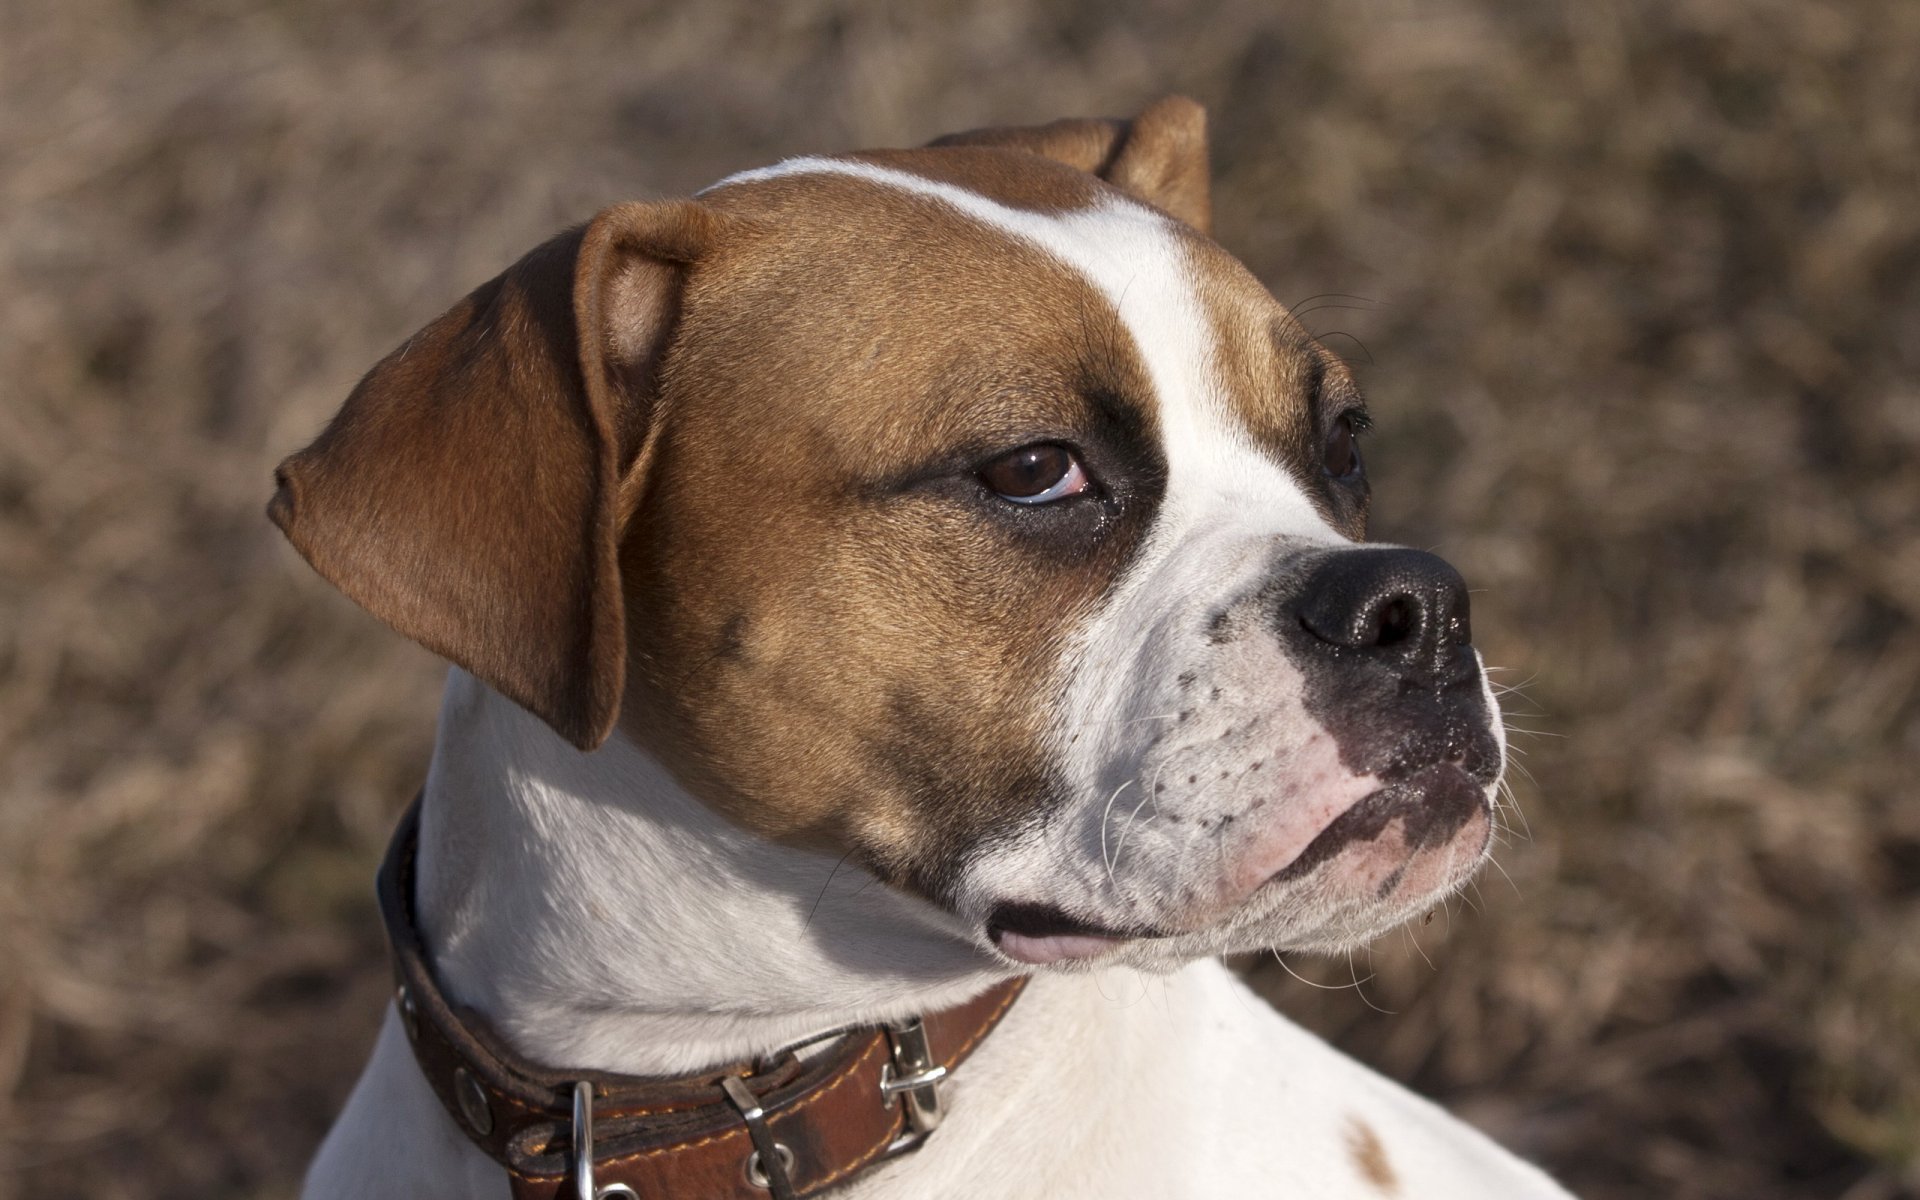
(583, 1188)
(770, 1166)
(914, 1075)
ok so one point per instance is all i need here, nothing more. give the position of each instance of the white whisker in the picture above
(1503, 874)
(1106, 815)
(1325, 987)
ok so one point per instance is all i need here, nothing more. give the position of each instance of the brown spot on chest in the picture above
(1370, 1157)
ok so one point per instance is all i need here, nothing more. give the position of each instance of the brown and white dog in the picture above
(883, 574)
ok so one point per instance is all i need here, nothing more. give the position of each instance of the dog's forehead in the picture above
(1230, 374)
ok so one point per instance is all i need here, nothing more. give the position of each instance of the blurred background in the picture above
(1634, 288)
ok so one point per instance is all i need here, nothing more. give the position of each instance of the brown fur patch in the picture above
(1160, 156)
(840, 638)
(1370, 1157)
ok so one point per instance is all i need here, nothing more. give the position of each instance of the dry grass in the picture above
(1643, 319)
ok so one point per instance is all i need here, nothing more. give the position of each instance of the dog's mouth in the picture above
(1391, 847)
(1039, 934)
(1430, 806)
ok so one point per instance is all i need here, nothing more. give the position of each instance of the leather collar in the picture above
(781, 1126)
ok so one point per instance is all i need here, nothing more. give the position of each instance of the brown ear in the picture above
(469, 492)
(1160, 156)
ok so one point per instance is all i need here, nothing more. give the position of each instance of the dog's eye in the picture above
(1341, 454)
(1036, 474)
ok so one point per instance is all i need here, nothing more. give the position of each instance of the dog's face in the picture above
(959, 511)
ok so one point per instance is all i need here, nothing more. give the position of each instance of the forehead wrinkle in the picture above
(1148, 273)
(1011, 413)
(1130, 255)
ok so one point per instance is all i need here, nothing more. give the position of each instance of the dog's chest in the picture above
(1121, 1085)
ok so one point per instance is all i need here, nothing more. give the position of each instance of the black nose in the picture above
(1405, 607)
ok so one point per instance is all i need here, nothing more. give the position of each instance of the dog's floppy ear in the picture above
(1159, 156)
(470, 491)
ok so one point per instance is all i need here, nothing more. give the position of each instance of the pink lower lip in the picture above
(1062, 947)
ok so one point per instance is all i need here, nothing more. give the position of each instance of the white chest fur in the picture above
(1103, 1085)
(1098, 1086)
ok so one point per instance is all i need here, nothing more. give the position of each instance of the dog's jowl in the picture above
(916, 597)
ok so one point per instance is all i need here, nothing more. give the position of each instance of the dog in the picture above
(909, 619)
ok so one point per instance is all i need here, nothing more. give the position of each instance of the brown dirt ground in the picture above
(1641, 317)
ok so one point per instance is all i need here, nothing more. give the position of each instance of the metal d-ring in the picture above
(583, 1188)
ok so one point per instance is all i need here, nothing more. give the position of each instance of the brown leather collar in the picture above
(782, 1125)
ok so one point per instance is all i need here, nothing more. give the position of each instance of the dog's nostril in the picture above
(1399, 618)
(1403, 607)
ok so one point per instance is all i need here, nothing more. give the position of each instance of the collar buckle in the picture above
(914, 1076)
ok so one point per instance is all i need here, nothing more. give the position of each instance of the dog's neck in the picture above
(602, 918)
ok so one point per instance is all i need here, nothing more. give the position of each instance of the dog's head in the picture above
(965, 509)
